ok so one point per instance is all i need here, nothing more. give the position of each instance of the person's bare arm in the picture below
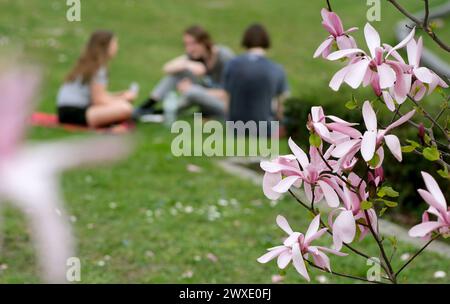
(100, 95)
(280, 105)
(183, 63)
(219, 93)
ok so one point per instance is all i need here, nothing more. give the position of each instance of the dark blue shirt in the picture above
(252, 82)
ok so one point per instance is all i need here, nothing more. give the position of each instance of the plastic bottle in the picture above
(134, 87)
(170, 106)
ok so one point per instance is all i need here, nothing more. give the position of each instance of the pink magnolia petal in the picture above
(313, 227)
(292, 239)
(423, 229)
(332, 251)
(404, 42)
(372, 38)
(284, 259)
(327, 23)
(336, 22)
(421, 92)
(401, 120)
(434, 189)
(341, 121)
(316, 235)
(317, 114)
(329, 193)
(285, 184)
(423, 74)
(356, 73)
(284, 224)
(387, 76)
(429, 198)
(322, 131)
(323, 46)
(388, 101)
(271, 166)
(322, 260)
(402, 85)
(18, 87)
(270, 180)
(267, 257)
(394, 53)
(370, 118)
(353, 133)
(345, 226)
(412, 53)
(394, 146)
(344, 42)
(344, 148)
(368, 145)
(298, 262)
(338, 78)
(343, 53)
(298, 152)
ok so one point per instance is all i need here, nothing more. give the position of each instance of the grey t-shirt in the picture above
(78, 94)
(213, 77)
(253, 81)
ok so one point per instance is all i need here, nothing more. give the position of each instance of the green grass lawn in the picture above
(148, 219)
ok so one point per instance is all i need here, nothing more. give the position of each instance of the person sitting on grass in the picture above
(196, 75)
(255, 84)
(83, 99)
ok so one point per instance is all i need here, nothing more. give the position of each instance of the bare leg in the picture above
(114, 112)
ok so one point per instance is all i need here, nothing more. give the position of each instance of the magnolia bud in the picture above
(379, 173)
(421, 133)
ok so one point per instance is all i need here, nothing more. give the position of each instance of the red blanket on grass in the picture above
(47, 120)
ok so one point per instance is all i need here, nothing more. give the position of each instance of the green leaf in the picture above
(443, 173)
(431, 153)
(393, 241)
(387, 191)
(383, 210)
(408, 149)
(413, 143)
(390, 204)
(374, 161)
(427, 139)
(351, 104)
(315, 140)
(365, 205)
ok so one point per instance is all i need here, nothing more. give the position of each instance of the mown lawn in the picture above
(148, 219)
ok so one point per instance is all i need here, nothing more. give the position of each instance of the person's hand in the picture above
(196, 68)
(129, 95)
(184, 85)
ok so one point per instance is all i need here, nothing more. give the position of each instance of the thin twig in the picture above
(390, 272)
(427, 14)
(416, 254)
(420, 24)
(343, 274)
(430, 118)
(329, 6)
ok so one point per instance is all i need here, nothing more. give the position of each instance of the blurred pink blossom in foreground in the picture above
(29, 174)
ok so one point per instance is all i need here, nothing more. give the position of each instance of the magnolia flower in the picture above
(333, 24)
(29, 173)
(332, 132)
(283, 166)
(297, 248)
(283, 173)
(373, 137)
(373, 69)
(438, 207)
(345, 225)
(422, 75)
